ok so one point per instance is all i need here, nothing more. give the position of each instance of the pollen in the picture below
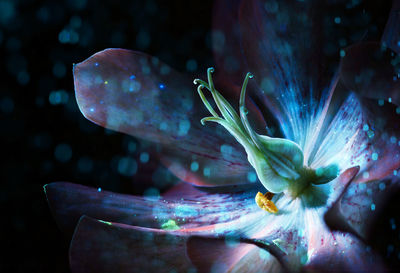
(265, 203)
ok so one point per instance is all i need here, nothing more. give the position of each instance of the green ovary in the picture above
(278, 162)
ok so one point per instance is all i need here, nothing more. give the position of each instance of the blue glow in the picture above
(161, 86)
(252, 177)
(337, 20)
(226, 150)
(184, 126)
(191, 65)
(132, 77)
(382, 186)
(206, 171)
(151, 193)
(58, 97)
(99, 189)
(372, 206)
(144, 157)
(132, 146)
(381, 102)
(194, 166)
(127, 166)
(67, 36)
(63, 152)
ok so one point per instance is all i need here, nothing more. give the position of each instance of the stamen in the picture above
(205, 101)
(265, 203)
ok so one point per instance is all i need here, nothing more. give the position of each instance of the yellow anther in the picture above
(265, 203)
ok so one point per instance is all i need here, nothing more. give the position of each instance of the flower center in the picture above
(278, 162)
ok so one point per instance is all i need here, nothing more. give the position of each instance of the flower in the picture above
(340, 147)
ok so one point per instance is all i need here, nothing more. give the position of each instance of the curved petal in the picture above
(229, 255)
(363, 133)
(195, 211)
(284, 49)
(391, 35)
(337, 252)
(99, 246)
(363, 202)
(373, 71)
(137, 94)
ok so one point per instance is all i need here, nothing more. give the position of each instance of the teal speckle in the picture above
(337, 20)
(63, 152)
(206, 171)
(252, 177)
(372, 206)
(194, 166)
(184, 126)
(127, 166)
(365, 127)
(144, 157)
(374, 156)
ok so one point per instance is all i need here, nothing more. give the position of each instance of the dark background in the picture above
(45, 138)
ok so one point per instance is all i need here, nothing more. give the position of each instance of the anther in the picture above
(264, 202)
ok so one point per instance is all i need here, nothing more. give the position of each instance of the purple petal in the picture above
(283, 49)
(99, 246)
(391, 36)
(221, 255)
(195, 211)
(369, 70)
(337, 252)
(364, 133)
(363, 203)
(137, 94)
(231, 65)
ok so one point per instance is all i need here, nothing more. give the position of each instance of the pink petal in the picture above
(99, 246)
(109, 247)
(194, 211)
(362, 133)
(139, 95)
(364, 202)
(221, 255)
(338, 252)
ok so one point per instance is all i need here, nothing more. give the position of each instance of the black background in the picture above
(39, 42)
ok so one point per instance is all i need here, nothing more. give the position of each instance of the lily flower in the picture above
(251, 199)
